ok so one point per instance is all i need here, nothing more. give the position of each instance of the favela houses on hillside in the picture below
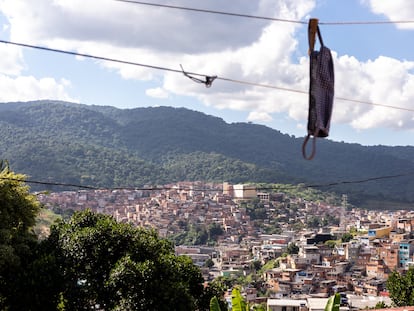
(286, 258)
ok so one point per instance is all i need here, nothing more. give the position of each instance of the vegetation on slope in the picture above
(110, 147)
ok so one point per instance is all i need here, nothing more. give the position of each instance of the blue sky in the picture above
(373, 63)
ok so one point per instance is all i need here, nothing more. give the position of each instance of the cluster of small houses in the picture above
(360, 266)
(301, 281)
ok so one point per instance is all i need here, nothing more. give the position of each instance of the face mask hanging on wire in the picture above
(321, 89)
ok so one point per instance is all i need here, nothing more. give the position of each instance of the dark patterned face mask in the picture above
(321, 95)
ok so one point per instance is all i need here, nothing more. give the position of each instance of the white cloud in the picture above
(132, 25)
(256, 116)
(26, 88)
(11, 60)
(395, 10)
(157, 93)
(383, 81)
(240, 49)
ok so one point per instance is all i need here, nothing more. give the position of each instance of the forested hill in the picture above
(109, 147)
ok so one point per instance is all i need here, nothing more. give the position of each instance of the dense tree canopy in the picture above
(18, 210)
(401, 288)
(120, 267)
(89, 261)
(135, 147)
(292, 248)
(346, 237)
(215, 288)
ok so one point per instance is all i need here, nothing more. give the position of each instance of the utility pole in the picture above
(343, 212)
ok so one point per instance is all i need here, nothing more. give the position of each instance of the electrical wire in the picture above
(212, 11)
(192, 73)
(165, 188)
(365, 23)
(339, 23)
(360, 181)
(373, 104)
(93, 56)
(70, 185)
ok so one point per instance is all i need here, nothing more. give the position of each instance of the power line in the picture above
(92, 56)
(193, 73)
(373, 104)
(344, 23)
(338, 23)
(70, 185)
(360, 181)
(212, 11)
(165, 188)
(48, 183)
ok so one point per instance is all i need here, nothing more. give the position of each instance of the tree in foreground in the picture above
(237, 301)
(214, 289)
(333, 303)
(88, 262)
(113, 266)
(401, 288)
(214, 304)
(18, 211)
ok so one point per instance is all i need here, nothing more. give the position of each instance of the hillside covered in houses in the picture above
(278, 241)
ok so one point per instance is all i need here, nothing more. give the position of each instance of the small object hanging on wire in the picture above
(207, 82)
(321, 89)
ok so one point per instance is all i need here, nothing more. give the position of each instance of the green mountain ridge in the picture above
(109, 147)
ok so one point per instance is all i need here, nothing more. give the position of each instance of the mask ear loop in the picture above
(305, 142)
(207, 82)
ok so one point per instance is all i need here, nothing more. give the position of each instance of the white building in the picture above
(244, 191)
(286, 305)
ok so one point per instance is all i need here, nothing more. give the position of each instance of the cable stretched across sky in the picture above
(156, 67)
(211, 11)
(165, 188)
(379, 22)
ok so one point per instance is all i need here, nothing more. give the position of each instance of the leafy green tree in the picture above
(237, 301)
(214, 231)
(313, 222)
(272, 228)
(18, 211)
(259, 307)
(347, 237)
(196, 234)
(353, 231)
(215, 288)
(381, 305)
(256, 265)
(330, 220)
(274, 263)
(297, 226)
(256, 210)
(209, 263)
(115, 266)
(331, 243)
(292, 248)
(333, 303)
(41, 283)
(401, 288)
(214, 304)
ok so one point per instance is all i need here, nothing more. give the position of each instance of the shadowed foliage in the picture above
(144, 146)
